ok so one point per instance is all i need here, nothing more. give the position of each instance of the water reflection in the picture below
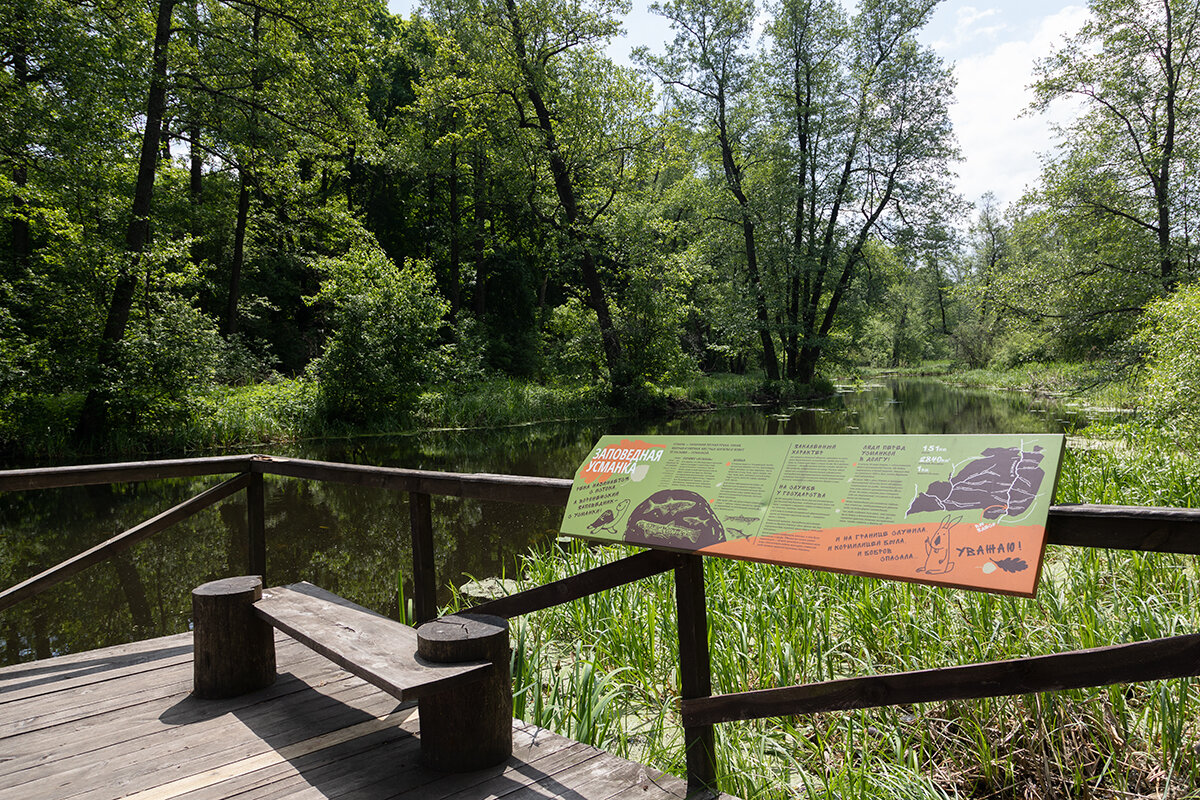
(355, 541)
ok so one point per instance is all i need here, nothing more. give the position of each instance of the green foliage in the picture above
(571, 343)
(385, 321)
(166, 358)
(1171, 336)
(507, 401)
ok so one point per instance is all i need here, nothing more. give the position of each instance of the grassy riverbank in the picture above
(602, 669)
(1094, 384)
(39, 428)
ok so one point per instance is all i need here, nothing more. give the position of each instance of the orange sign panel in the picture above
(966, 511)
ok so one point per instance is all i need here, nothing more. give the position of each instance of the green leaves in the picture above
(385, 320)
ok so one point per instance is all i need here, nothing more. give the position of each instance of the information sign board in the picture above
(967, 511)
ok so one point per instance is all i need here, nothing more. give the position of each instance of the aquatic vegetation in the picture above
(604, 668)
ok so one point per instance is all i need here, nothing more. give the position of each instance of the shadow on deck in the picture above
(120, 722)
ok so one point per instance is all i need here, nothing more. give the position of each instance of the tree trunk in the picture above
(93, 419)
(21, 247)
(480, 212)
(565, 190)
(195, 187)
(230, 324)
(734, 180)
(802, 96)
(1162, 186)
(20, 223)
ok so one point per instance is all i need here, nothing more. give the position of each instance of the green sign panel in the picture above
(967, 511)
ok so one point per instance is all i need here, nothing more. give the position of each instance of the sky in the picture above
(992, 46)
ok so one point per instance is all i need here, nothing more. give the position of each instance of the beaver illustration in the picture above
(937, 548)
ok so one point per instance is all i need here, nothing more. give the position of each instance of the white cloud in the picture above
(971, 23)
(1000, 143)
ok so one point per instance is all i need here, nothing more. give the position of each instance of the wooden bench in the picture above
(456, 668)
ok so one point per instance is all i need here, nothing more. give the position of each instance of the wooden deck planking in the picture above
(120, 723)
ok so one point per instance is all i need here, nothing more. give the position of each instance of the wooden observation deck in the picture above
(121, 723)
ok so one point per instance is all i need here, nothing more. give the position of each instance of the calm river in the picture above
(354, 541)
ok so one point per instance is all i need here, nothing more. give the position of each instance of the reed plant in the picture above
(604, 669)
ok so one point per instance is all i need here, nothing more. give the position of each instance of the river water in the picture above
(355, 541)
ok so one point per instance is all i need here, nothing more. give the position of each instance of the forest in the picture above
(334, 217)
(234, 223)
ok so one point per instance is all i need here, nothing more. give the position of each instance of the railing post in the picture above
(424, 572)
(695, 673)
(256, 519)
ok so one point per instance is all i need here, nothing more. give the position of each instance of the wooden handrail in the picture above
(1151, 660)
(122, 541)
(480, 485)
(1147, 528)
(598, 579)
(14, 480)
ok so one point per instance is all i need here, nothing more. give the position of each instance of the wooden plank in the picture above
(79, 712)
(420, 514)
(379, 779)
(654, 784)
(597, 777)
(269, 755)
(124, 710)
(331, 738)
(152, 752)
(15, 480)
(177, 733)
(1156, 659)
(498, 781)
(43, 688)
(77, 669)
(351, 769)
(345, 768)
(617, 573)
(129, 747)
(507, 488)
(148, 649)
(695, 671)
(378, 650)
(1158, 530)
(123, 541)
(256, 527)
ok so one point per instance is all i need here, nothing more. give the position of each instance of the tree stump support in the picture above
(234, 650)
(471, 727)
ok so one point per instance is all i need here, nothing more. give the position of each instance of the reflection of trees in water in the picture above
(356, 541)
(124, 599)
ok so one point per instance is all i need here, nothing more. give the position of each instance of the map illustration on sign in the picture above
(1002, 481)
(965, 511)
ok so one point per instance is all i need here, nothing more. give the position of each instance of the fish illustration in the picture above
(669, 507)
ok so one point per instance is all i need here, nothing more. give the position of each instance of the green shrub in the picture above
(1171, 335)
(571, 344)
(171, 353)
(381, 351)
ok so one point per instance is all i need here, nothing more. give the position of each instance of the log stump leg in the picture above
(234, 650)
(469, 728)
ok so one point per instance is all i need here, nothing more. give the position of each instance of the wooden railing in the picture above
(1164, 530)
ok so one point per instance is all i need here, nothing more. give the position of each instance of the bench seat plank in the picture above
(379, 650)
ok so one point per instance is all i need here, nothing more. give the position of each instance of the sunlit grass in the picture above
(1097, 385)
(604, 669)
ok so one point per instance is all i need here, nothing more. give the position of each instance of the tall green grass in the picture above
(1097, 384)
(604, 669)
